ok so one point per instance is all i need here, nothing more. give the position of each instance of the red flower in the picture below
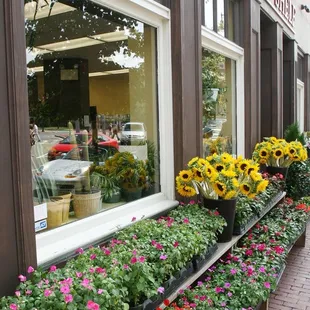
(166, 302)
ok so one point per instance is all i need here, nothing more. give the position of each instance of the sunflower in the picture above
(197, 175)
(220, 188)
(219, 167)
(209, 158)
(278, 153)
(263, 153)
(251, 196)
(193, 161)
(262, 161)
(245, 188)
(201, 162)
(186, 175)
(262, 186)
(226, 158)
(255, 176)
(273, 140)
(243, 165)
(186, 191)
(235, 183)
(230, 195)
(251, 168)
(291, 151)
(228, 173)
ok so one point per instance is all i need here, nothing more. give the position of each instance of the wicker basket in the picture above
(54, 212)
(86, 204)
(66, 207)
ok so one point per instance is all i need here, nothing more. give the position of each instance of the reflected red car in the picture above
(65, 145)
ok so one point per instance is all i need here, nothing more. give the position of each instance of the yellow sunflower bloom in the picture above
(235, 183)
(262, 186)
(278, 153)
(263, 161)
(209, 158)
(251, 168)
(186, 175)
(273, 139)
(211, 173)
(263, 153)
(186, 191)
(197, 175)
(219, 167)
(226, 158)
(245, 188)
(228, 173)
(220, 188)
(255, 176)
(243, 165)
(251, 196)
(230, 195)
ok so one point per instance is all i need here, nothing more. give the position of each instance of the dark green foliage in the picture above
(292, 133)
(298, 180)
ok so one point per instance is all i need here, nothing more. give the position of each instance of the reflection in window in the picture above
(91, 86)
(209, 14)
(219, 116)
(221, 17)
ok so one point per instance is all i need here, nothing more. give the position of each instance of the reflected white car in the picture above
(134, 133)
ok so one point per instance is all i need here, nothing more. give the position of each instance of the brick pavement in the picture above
(293, 291)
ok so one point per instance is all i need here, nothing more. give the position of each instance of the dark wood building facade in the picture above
(268, 37)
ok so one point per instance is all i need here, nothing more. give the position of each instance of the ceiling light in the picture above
(113, 72)
(34, 70)
(44, 8)
(111, 36)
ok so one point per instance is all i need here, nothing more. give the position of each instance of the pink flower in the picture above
(30, 269)
(22, 278)
(17, 293)
(68, 298)
(229, 294)
(218, 290)
(47, 293)
(159, 246)
(91, 270)
(92, 305)
(199, 283)
(163, 257)
(134, 237)
(133, 219)
(176, 244)
(267, 284)
(85, 283)
(53, 268)
(249, 252)
(261, 247)
(133, 260)
(100, 270)
(107, 252)
(141, 259)
(79, 274)
(153, 242)
(161, 290)
(192, 202)
(233, 271)
(134, 252)
(79, 251)
(65, 289)
(100, 291)
(13, 307)
(227, 285)
(126, 267)
(93, 256)
(66, 281)
(186, 221)
(262, 269)
(28, 292)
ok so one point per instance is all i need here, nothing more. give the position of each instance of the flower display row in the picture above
(248, 275)
(131, 268)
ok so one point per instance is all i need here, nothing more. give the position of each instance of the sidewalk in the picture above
(293, 291)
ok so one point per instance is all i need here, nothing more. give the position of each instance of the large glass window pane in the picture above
(219, 103)
(221, 17)
(93, 108)
(209, 14)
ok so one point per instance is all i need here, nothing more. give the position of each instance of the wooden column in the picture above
(18, 249)
(289, 82)
(272, 80)
(186, 79)
(307, 91)
(251, 43)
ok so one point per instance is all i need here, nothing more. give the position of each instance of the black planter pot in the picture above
(241, 229)
(131, 194)
(200, 260)
(227, 209)
(116, 197)
(274, 170)
(149, 304)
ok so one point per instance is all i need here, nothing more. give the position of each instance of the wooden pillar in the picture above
(289, 82)
(307, 91)
(251, 43)
(18, 249)
(186, 79)
(272, 80)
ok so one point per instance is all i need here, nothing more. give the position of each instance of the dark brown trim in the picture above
(18, 248)
(215, 24)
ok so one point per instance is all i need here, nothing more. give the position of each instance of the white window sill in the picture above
(62, 242)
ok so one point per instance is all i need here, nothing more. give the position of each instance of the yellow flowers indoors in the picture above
(278, 152)
(220, 177)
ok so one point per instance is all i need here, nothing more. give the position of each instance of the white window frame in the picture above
(61, 242)
(300, 115)
(217, 43)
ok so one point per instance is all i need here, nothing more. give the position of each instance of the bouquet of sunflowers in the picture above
(278, 152)
(221, 177)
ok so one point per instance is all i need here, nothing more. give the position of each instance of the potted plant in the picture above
(130, 171)
(151, 165)
(220, 179)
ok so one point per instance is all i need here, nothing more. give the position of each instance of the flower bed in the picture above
(248, 276)
(137, 266)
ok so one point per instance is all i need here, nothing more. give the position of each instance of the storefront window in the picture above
(219, 110)
(209, 14)
(93, 109)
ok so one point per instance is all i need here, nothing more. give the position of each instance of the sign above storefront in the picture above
(286, 9)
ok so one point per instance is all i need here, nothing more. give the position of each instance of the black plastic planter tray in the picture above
(258, 306)
(199, 261)
(148, 304)
(241, 229)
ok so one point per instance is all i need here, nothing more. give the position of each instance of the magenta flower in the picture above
(159, 246)
(17, 293)
(85, 283)
(126, 267)
(91, 270)
(227, 285)
(100, 270)
(22, 278)
(161, 290)
(249, 252)
(186, 221)
(223, 304)
(267, 284)
(153, 242)
(133, 260)
(65, 289)
(47, 293)
(100, 291)
(141, 259)
(229, 294)
(192, 202)
(176, 244)
(133, 219)
(79, 251)
(93, 256)
(134, 252)
(163, 257)
(92, 305)
(134, 237)
(13, 307)
(199, 283)
(262, 269)
(218, 290)
(202, 298)
(53, 268)
(68, 298)
(107, 252)
(30, 269)
(79, 274)
(233, 271)
(28, 292)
